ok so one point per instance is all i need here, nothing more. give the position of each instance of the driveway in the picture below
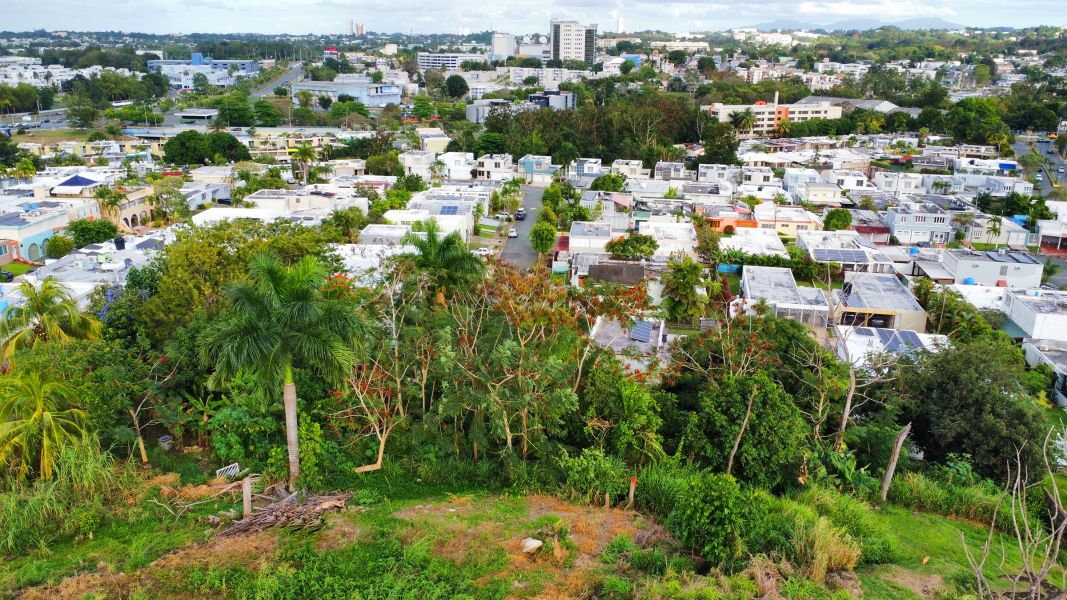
(518, 251)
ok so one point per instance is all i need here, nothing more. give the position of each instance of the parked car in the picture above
(482, 252)
(502, 217)
(513, 233)
(520, 215)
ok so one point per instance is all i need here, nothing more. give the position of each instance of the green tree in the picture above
(743, 120)
(201, 86)
(81, 112)
(542, 237)
(682, 283)
(608, 183)
(387, 163)
(633, 247)
(281, 92)
(84, 232)
(456, 86)
(1050, 270)
(445, 260)
(304, 157)
(38, 419)
(58, 246)
(48, 313)
(279, 320)
(837, 219)
(708, 515)
(266, 114)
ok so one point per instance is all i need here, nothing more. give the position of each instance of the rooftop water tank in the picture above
(968, 281)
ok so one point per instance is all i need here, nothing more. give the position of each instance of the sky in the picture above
(516, 16)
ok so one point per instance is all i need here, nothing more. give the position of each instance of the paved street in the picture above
(518, 251)
(292, 75)
(1023, 147)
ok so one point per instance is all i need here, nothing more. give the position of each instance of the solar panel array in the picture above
(1024, 258)
(642, 332)
(994, 256)
(449, 209)
(840, 256)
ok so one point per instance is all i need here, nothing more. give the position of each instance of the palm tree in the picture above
(48, 314)
(304, 155)
(1051, 269)
(109, 200)
(24, 169)
(445, 259)
(437, 168)
(276, 321)
(681, 300)
(994, 230)
(743, 120)
(38, 419)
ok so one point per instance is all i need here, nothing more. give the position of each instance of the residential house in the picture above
(820, 193)
(845, 248)
(866, 346)
(669, 171)
(1001, 268)
(432, 139)
(877, 300)
(1052, 353)
(786, 220)
(672, 237)
(587, 236)
(494, 167)
(419, 162)
(537, 170)
(982, 230)
(919, 223)
(1041, 314)
(870, 226)
(777, 287)
(632, 169)
(895, 182)
(457, 165)
(759, 242)
(794, 177)
(716, 173)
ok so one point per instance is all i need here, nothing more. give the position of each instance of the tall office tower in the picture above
(351, 27)
(503, 46)
(619, 28)
(570, 40)
(360, 30)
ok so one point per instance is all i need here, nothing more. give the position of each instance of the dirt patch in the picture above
(339, 532)
(250, 550)
(80, 586)
(925, 585)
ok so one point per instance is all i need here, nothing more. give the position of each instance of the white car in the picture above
(482, 252)
(513, 233)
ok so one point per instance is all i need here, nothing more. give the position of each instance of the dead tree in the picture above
(1038, 542)
(891, 468)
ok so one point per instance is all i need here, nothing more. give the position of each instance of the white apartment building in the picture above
(570, 40)
(446, 61)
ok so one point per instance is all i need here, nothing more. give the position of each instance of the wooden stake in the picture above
(246, 492)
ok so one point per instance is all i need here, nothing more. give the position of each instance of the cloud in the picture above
(516, 16)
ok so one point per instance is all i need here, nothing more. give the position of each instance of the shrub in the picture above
(592, 474)
(917, 491)
(58, 246)
(708, 517)
(75, 502)
(616, 588)
(857, 518)
(818, 547)
(975, 501)
(659, 485)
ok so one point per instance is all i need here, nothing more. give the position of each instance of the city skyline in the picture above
(522, 16)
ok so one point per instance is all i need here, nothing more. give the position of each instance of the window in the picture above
(3, 250)
(939, 220)
(919, 219)
(767, 226)
(1004, 270)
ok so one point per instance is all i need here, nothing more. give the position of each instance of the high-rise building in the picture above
(360, 29)
(351, 27)
(570, 40)
(503, 46)
(619, 28)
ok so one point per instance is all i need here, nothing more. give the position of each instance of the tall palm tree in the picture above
(437, 168)
(1051, 270)
(25, 169)
(37, 419)
(305, 156)
(279, 320)
(743, 120)
(445, 259)
(994, 230)
(109, 200)
(48, 313)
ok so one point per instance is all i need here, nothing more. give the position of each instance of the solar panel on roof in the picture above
(1024, 258)
(995, 256)
(865, 331)
(642, 332)
(912, 339)
(449, 210)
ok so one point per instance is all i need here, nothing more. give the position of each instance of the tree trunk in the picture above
(891, 468)
(292, 438)
(839, 442)
(377, 464)
(741, 433)
(140, 438)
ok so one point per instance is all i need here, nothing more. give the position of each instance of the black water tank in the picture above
(120, 243)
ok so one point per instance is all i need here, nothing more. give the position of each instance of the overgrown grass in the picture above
(855, 516)
(975, 502)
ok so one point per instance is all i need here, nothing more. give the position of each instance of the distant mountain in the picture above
(784, 24)
(927, 23)
(860, 24)
(855, 24)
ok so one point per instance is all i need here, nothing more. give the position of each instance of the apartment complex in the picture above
(770, 115)
(570, 40)
(446, 61)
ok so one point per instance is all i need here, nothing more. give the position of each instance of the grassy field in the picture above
(392, 542)
(17, 268)
(52, 136)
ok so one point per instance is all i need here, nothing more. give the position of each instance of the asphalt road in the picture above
(292, 75)
(518, 251)
(1023, 147)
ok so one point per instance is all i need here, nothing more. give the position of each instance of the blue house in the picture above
(537, 169)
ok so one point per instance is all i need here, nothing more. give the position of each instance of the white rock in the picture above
(530, 545)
